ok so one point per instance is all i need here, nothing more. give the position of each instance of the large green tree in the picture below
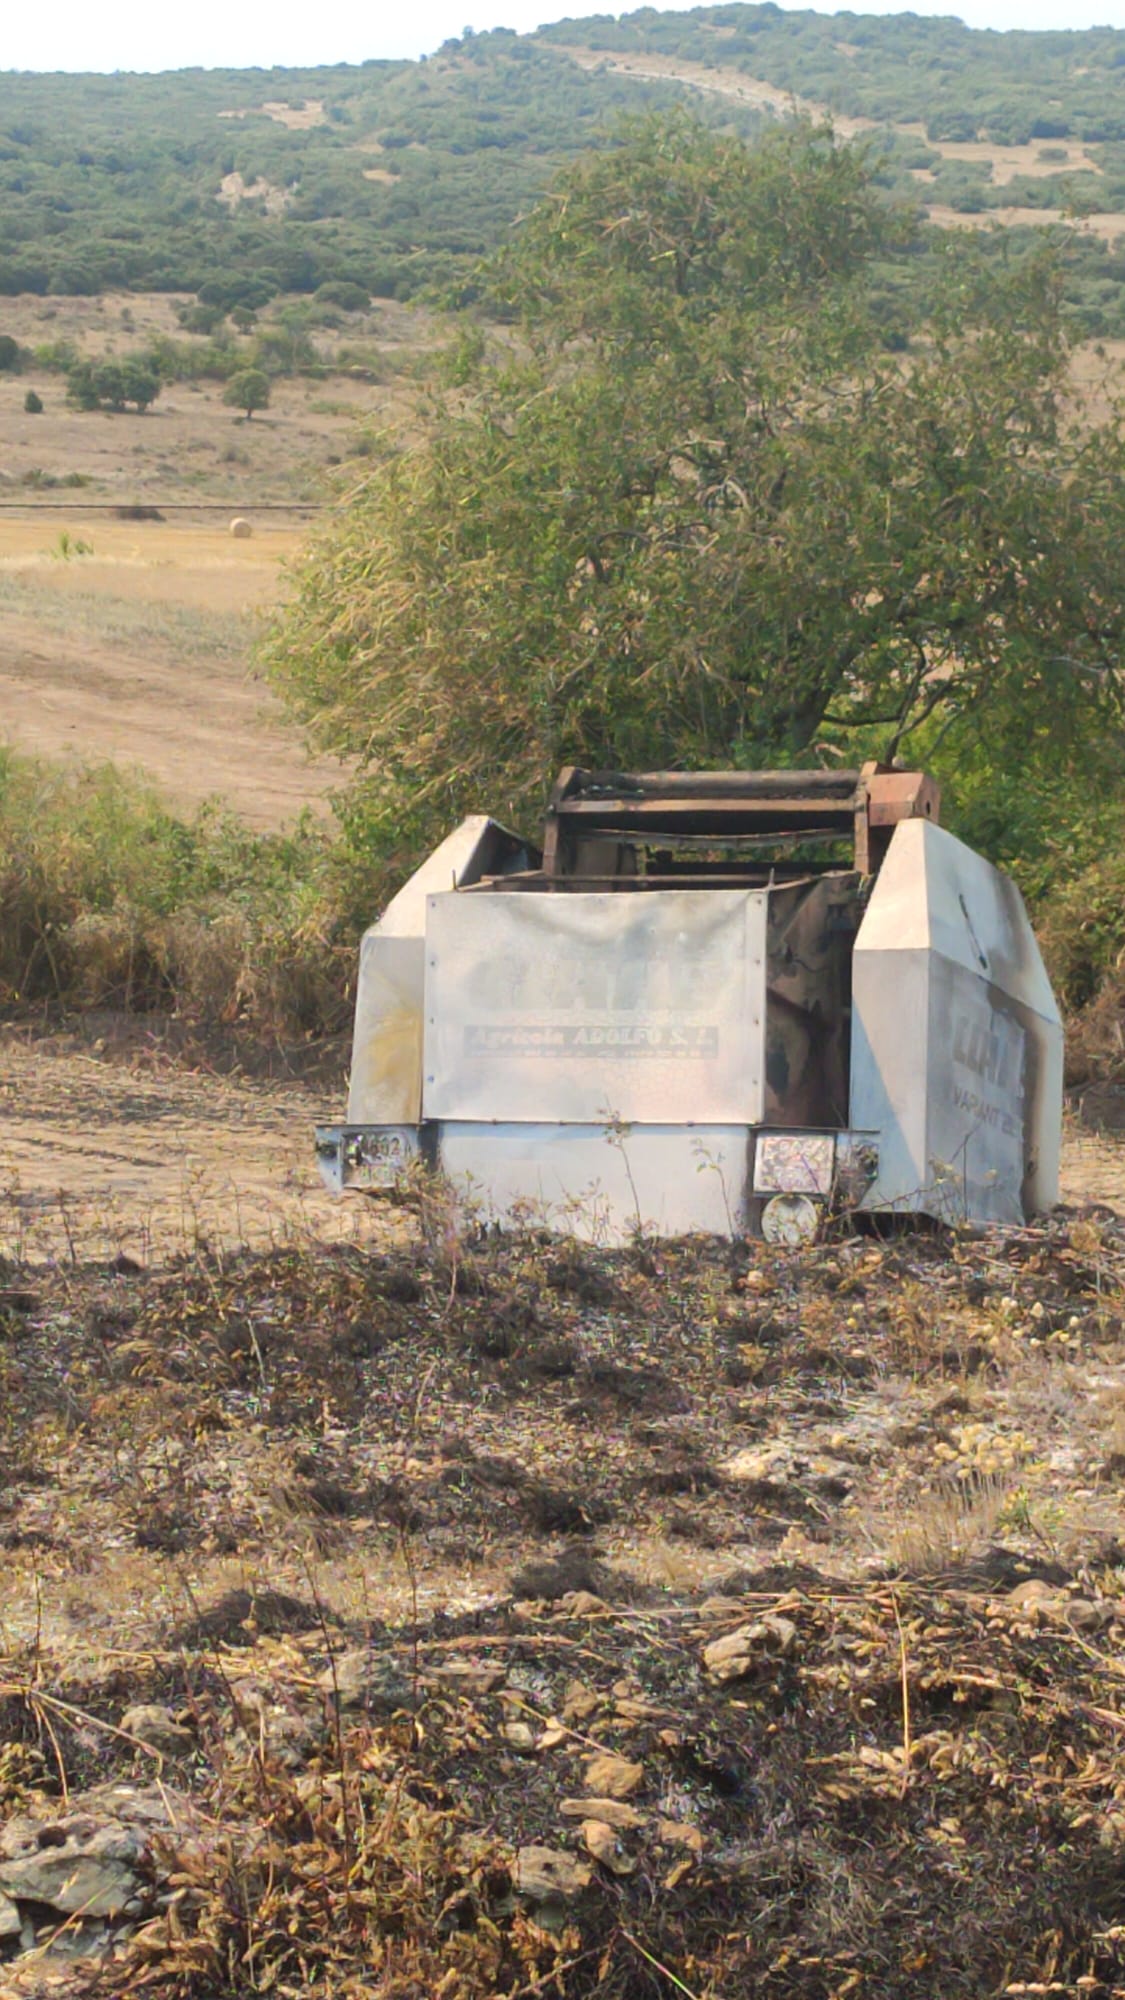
(692, 510)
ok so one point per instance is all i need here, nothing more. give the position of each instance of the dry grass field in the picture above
(139, 652)
(130, 640)
(189, 446)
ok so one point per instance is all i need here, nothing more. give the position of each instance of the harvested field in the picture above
(129, 640)
(1110, 226)
(139, 653)
(136, 1153)
(696, 1619)
(1008, 163)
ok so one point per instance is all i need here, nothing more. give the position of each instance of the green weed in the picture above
(108, 899)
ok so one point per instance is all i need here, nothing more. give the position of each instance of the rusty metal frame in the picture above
(597, 820)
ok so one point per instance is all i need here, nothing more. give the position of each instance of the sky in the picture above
(135, 34)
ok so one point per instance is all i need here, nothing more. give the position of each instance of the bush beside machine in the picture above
(671, 1018)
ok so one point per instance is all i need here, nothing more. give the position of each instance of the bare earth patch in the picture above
(233, 191)
(145, 1156)
(1010, 162)
(115, 1145)
(298, 118)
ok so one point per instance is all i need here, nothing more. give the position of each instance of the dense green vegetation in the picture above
(715, 514)
(110, 183)
(408, 171)
(112, 385)
(713, 520)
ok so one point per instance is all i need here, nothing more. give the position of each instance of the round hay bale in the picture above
(240, 528)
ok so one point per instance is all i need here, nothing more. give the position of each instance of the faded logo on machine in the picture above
(988, 1049)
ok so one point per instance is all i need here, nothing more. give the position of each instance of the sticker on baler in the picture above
(794, 1163)
(376, 1159)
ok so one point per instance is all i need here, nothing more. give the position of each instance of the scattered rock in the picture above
(10, 1921)
(520, 1737)
(612, 1777)
(678, 1833)
(583, 1604)
(550, 1875)
(155, 1725)
(372, 1681)
(757, 1463)
(612, 1812)
(92, 1877)
(468, 1676)
(580, 1702)
(740, 1652)
(602, 1842)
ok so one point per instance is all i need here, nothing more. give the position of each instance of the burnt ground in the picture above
(400, 1546)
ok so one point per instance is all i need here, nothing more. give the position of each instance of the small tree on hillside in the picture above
(111, 385)
(135, 383)
(249, 390)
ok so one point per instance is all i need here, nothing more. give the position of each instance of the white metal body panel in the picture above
(386, 1073)
(581, 1008)
(581, 1180)
(956, 1038)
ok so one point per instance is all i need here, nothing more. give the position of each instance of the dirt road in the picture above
(99, 1155)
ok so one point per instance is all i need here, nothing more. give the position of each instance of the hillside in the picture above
(385, 174)
(241, 185)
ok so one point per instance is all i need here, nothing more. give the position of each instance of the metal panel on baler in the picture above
(579, 1007)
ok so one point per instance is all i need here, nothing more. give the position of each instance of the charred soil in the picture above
(515, 1618)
